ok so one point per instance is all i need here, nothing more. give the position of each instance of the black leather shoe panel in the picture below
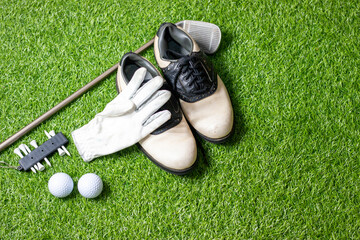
(173, 106)
(192, 77)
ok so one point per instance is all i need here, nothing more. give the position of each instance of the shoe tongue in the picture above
(175, 55)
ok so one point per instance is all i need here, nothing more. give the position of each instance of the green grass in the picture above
(291, 170)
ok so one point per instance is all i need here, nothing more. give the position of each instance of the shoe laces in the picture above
(193, 70)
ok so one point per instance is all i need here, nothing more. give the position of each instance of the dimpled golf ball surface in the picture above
(60, 185)
(90, 185)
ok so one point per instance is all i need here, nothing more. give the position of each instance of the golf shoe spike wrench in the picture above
(34, 144)
(41, 152)
(52, 133)
(60, 151)
(18, 152)
(26, 150)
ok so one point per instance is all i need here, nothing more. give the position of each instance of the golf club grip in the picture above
(65, 102)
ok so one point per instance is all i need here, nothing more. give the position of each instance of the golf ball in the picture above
(60, 185)
(90, 185)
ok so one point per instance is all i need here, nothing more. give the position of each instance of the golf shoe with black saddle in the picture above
(172, 147)
(203, 95)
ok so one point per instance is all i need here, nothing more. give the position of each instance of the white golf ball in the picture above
(90, 185)
(60, 185)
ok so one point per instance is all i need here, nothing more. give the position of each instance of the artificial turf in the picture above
(291, 169)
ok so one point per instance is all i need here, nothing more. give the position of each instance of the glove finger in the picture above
(134, 83)
(147, 90)
(155, 121)
(154, 104)
(117, 108)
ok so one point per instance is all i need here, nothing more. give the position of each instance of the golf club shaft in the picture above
(65, 102)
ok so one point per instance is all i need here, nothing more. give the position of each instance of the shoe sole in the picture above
(216, 140)
(170, 170)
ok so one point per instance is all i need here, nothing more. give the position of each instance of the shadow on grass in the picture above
(239, 130)
(73, 194)
(105, 193)
(202, 163)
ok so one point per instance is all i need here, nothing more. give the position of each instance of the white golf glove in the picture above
(127, 119)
